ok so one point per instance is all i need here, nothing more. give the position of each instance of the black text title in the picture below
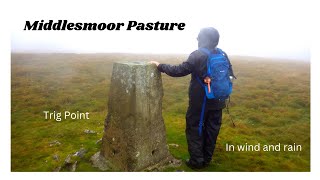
(64, 25)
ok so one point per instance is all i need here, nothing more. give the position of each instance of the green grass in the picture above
(270, 105)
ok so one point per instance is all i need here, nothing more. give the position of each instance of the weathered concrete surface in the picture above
(135, 135)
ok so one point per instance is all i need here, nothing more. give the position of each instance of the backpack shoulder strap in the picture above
(221, 52)
(208, 53)
(205, 50)
(198, 79)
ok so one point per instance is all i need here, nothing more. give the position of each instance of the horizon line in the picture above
(159, 53)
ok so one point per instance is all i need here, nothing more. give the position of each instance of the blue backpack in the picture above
(217, 83)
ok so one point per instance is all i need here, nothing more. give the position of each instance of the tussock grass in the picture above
(270, 105)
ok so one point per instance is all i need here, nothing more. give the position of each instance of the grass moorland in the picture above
(270, 105)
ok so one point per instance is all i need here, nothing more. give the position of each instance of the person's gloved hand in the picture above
(154, 62)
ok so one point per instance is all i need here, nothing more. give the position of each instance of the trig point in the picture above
(134, 135)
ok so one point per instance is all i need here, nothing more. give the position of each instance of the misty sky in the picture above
(250, 28)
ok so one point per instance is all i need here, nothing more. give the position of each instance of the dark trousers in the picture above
(201, 148)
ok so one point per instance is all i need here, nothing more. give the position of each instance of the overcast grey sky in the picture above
(265, 28)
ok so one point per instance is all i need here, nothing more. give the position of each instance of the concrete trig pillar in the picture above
(135, 136)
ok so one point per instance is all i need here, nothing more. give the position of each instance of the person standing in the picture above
(200, 147)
